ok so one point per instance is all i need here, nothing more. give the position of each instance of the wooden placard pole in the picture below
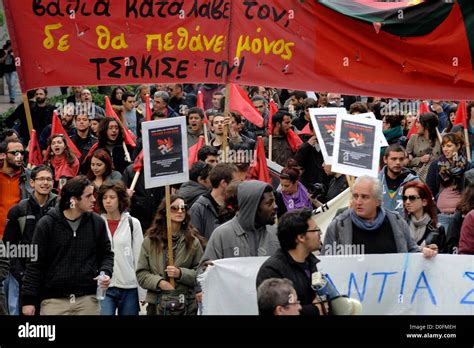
(169, 230)
(226, 117)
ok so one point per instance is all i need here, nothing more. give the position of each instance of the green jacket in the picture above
(151, 267)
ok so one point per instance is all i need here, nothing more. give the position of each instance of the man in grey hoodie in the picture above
(368, 228)
(251, 231)
(393, 178)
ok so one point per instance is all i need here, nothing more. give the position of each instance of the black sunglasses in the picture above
(411, 198)
(16, 152)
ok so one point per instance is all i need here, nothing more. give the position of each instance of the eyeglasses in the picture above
(411, 198)
(43, 179)
(318, 230)
(175, 208)
(16, 152)
(291, 303)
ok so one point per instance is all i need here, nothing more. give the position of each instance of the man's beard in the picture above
(12, 164)
(40, 100)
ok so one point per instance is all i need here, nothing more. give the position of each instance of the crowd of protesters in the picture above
(421, 202)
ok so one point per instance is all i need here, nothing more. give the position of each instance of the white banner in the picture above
(402, 284)
(326, 213)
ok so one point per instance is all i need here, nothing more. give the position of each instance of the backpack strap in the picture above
(130, 222)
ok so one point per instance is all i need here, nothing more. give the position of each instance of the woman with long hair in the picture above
(116, 96)
(102, 169)
(424, 147)
(464, 207)
(421, 216)
(446, 177)
(126, 237)
(62, 160)
(111, 139)
(154, 271)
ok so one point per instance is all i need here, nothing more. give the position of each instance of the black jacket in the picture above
(84, 145)
(311, 160)
(282, 265)
(191, 191)
(144, 201)
(67, 262)
(454, 233)
(21, 222)
(3, 275)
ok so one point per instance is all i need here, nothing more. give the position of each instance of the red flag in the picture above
(240, 102)
(461, 114)
(138, 163)
(272, 110)
(57, 128)
(293, 140)
(258, 169)
(34, 157)
(306, 130)
(193, 152)
(200, 104)
(90, 153)
(414, 127)
(147, 108)
(129, 137)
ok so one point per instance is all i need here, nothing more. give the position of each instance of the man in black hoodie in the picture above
(21, 222)
(73, 249)
(299, 237)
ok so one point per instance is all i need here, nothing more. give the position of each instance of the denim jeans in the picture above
(11, 78)
(12, 294)
(123, 300)
(445, 220)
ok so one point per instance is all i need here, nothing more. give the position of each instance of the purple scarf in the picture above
(299, 199)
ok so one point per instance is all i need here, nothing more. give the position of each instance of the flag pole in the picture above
(169, 232)
(206, 135)
(29, 120)
(270, 146)
(135, 180)
(468, 145)
(226, 116)
(127, 154)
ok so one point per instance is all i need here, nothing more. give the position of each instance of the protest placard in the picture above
(357, 146)
(165, 152)
(324, 125)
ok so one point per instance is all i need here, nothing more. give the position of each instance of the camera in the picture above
(317, 190)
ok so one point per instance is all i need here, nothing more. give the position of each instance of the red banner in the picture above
(421, 51)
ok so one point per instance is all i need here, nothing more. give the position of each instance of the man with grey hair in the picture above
(161, 100)
(277, 296)
(368, 228)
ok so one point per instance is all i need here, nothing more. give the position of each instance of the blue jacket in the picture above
(395, 203)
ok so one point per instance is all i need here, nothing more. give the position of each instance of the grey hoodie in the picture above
(239, 237)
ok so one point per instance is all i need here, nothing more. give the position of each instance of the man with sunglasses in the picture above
(14, 179)
(22, 219)
(299, 237)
